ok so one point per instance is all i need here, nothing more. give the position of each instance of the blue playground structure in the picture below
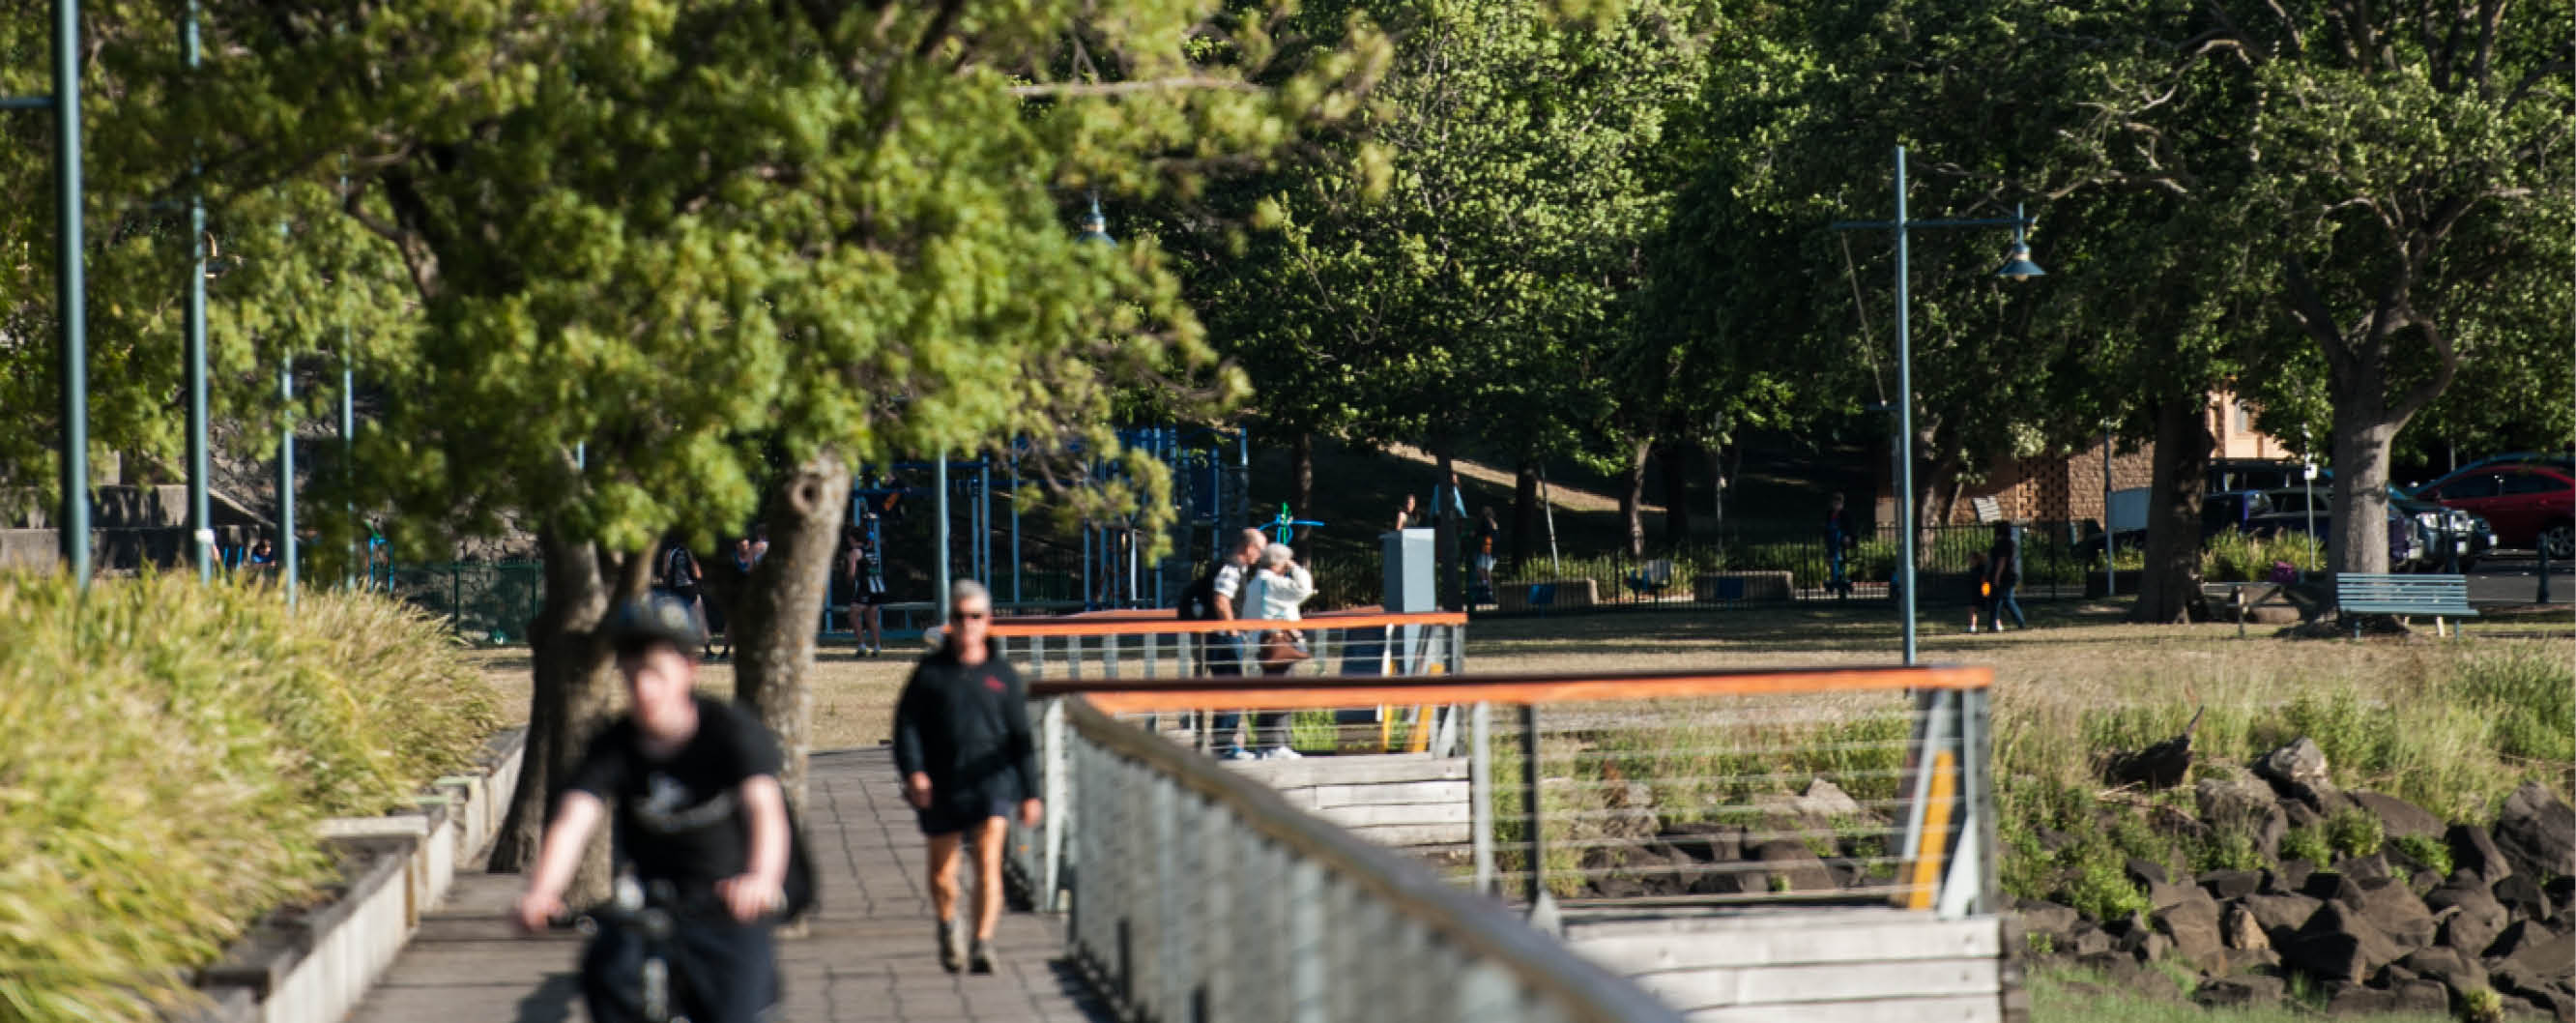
(1210, 471)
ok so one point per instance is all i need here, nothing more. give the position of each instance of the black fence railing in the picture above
(490, 602)
(1756, 564)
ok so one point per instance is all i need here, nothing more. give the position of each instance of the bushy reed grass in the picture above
(2233, 557)
(173, 745)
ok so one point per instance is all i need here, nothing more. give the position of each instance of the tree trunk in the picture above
(1524, 510)
(1632, 496)
(1301, 476)
(1677, 516)
(2363, 427)
(2171, 582)
(774, 629)
(576, 691)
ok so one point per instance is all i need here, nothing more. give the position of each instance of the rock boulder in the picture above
(2339, 944)
(2537, 832)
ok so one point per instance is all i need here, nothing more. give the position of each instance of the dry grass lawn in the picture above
(2078, 657)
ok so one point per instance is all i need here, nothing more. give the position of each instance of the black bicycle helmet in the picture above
(656, 617)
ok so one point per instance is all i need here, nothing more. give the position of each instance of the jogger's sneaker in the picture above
(982, 959)
(952, 946)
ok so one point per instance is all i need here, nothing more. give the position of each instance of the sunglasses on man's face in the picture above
(974, 616)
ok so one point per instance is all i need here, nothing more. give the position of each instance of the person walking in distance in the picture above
(1838, 544)
(698, 808)
(963, 746)
(2004, 564)
(682, 578)
(863, 570)
(1225, 655)
(1278, 586)
(1488, 530)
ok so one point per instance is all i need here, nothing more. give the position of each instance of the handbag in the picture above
(1279, 646)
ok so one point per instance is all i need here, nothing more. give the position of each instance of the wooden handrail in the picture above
(1311, 692)
(1164, 624)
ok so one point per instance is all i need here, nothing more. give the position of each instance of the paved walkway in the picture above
(867, 958)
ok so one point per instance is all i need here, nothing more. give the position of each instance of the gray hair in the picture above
(1276, 554)
(964, 590)
(1250, 537)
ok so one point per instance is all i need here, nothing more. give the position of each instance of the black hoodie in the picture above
(967, 727)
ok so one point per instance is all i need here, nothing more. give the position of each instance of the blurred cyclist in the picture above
(695, 782)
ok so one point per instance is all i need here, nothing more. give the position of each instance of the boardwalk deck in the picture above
(868, 956)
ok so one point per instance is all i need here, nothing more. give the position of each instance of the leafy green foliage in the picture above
(2432, 852)
(2311, 844)
(1452, 266)
(2354, 832)
(170, 797)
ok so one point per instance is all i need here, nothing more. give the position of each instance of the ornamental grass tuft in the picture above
(173, 746)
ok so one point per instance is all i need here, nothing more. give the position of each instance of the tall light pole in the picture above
(2017, 266)
(201, 522)
(71, 295)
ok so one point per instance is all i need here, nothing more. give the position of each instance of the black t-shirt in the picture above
(2004, 558)
(967, 727)
(681, 819)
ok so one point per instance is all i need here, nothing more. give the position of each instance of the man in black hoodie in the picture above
(962, 743)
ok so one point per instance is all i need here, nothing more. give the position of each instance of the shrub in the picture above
(2228, 848)
(2432, 852)
(2481, 1005)
(174, 745)
(2098, 884)
(2307, 844)
(2354, 832)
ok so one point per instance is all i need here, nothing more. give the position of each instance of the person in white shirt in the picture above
(1277, 588)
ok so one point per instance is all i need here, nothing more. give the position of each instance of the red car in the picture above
(2528, 504)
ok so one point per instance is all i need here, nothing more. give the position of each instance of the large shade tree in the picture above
(638, 270)
(1448, 268)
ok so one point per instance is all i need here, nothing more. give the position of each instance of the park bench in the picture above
(2442, 596)
(1652, 579)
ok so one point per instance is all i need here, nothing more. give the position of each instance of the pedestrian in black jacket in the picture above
(962, 742)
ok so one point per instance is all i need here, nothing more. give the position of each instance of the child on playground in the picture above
(1981, 589)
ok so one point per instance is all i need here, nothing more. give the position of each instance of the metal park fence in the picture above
(1149, 648)
(484, 601)
(1739, 844)
(1203, 895)
(1755, 565)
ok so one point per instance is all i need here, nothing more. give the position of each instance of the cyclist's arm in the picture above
(567, 836)
(765, 811)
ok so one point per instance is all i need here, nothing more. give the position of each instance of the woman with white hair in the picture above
(1277, 588)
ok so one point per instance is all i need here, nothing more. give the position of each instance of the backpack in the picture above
(1198, 602)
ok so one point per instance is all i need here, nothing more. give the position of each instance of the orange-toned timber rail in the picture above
(1130, 696)
(1161, 623)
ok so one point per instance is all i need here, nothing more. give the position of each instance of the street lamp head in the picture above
(2017, 266)
(1095, 228)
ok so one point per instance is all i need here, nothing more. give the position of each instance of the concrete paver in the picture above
(867, 956)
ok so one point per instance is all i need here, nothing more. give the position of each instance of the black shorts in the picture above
(865, 596)
(949, 819)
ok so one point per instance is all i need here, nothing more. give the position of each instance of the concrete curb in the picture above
(316, 968)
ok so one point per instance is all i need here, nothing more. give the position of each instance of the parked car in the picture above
(2230, 475)
(2437, 529)
(2531, 504)
(2219, 512)
(2405, 545)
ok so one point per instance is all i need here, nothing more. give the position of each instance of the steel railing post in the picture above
(1054, 768)
(1530, 804)
(1480, 793)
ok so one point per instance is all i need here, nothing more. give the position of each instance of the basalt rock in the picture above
(2398, 817)
(2339, 944)
(2537, 832)
(2473, 850)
